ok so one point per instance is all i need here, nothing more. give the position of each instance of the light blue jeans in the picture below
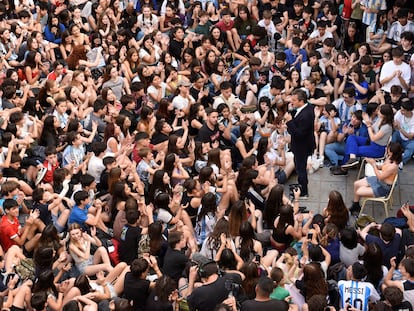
(408, 146)
(335, 152)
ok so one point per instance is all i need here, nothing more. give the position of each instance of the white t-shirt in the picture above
(316, 34)
(153, 90)
(388, 69)
(407, 124)
(143, 53)
(95, 168)
(182, 103)
(148, 22)
(271, 29)
(220, 99)
(265, 128)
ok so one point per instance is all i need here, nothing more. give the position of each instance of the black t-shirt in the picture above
(159, 138)
(277, 11)
(318, 94)
(128, 246)
(406, 240)
(272, 304)
(284, 70)
(130, 115)
(103, 182)
(175, 49)
(205, 134)
(206, 297)
(310, 27)
(174, 263)
(407, 54)
(11, 172)
(397, 104)
(45, 214)
(206, 101)
(136, 290)
(154, 304)
(292, 15)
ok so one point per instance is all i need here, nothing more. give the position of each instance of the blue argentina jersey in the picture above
(357, 294)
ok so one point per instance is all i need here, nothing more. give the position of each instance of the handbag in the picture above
(369, 169)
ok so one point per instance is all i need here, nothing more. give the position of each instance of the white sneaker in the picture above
(321, 161)
(40, 175)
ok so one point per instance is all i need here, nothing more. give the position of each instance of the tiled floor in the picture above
(322, 182)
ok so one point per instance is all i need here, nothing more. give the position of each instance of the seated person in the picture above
(394, 98)
(314, 58)
(136, 286)
(379, 136)
(84, 214)
(335, 151)
(175, 260)
(404, 129)
(11, 233)
(380, 184)
(347, 105)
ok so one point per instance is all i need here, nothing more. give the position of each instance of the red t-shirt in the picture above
(52, 75)
(224, 27)
(135, 155)
(347, 9)
(49, 173)
(8, 231)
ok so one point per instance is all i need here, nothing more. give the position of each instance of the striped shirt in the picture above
(368, 18)
(396, 29)
(357, 294)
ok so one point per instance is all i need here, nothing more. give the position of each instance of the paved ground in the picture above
(322, 182)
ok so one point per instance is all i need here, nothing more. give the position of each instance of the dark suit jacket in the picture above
(301, 129)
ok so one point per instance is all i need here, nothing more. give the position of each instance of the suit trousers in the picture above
(300, 159)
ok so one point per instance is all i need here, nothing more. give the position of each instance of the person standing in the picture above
(300, 127)
(370, 10)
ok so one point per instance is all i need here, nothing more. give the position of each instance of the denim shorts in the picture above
(379, 188)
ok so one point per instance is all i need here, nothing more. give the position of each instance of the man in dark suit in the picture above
(301, 128)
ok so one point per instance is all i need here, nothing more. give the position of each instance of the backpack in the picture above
(26, 269)
(333, 294)
(337, 272)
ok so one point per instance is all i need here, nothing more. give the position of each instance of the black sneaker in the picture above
(351, 163)
(339, 171)
(333, 168)
(355, 209)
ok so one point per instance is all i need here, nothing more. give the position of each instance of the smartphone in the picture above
(257, 258)
(310, 236)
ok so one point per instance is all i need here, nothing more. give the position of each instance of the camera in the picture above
(292, 188)
(232, 287)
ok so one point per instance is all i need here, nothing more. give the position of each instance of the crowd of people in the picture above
(145, 145)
